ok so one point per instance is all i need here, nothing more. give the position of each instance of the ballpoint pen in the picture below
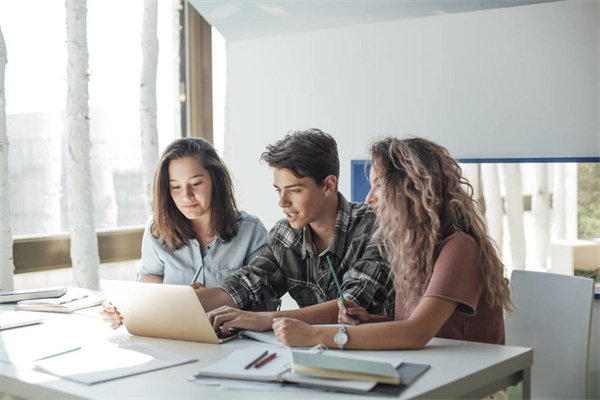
(336, 282)
(255, 360)
(265, 360)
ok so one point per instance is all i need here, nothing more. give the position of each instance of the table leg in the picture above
(527, 383)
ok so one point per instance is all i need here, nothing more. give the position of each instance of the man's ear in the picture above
(330, 183)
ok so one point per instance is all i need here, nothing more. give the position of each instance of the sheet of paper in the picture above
(103, 362)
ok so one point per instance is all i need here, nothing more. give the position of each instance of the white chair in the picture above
(553, 316)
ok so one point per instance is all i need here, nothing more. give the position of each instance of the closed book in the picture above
(329, 366)
(30, 294)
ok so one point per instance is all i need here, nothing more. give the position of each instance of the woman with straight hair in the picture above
(449, 279)
(196, 235)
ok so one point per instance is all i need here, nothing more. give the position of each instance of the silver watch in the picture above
(341, 338)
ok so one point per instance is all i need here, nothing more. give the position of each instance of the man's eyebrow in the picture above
(290, 186)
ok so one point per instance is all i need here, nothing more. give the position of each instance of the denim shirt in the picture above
(219, 258)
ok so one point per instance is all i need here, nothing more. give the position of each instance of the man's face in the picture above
(301, 199)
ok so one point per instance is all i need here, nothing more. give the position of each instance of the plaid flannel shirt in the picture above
(289, 263)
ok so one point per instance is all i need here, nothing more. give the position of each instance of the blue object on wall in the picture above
(360, 180)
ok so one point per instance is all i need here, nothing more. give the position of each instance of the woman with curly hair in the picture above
(449, 279)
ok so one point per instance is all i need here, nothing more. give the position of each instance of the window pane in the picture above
(36, 102)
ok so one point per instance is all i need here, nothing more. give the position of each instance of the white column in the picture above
(84, 243)
(515, 213)
(6, 239)
(148, 98)
(540, 210)
(493, 203)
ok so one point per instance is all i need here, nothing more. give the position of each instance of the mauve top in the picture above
(458, 277)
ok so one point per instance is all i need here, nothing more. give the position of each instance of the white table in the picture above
(458, 369)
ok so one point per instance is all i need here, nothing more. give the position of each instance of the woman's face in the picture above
(191, 187)
(374, 195)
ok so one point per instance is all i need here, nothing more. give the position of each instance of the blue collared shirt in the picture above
(219, 258)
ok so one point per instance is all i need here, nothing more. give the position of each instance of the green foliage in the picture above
(588, 210)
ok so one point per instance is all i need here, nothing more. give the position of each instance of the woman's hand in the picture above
(197, 285)
(111, 315)
(226, 319)
(354, 315)
(295, 333)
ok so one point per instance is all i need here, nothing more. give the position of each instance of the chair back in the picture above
(553, 316)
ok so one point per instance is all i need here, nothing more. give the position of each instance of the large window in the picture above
(35, 35)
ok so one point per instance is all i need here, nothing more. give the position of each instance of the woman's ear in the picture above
(330, 183)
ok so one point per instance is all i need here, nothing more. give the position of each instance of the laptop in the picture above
(162, 311)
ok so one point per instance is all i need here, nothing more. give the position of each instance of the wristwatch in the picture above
(341, 338)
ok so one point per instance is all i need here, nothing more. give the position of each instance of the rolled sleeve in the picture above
(369, 284)
(262, 280)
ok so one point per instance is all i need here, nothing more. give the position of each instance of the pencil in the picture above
(197, 274)
(265, 360)
(256, 359)
(336, 282)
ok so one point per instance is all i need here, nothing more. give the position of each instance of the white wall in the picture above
(511, 82)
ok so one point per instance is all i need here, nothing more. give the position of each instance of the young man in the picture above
(319, 224)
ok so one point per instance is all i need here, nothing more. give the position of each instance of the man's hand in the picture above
(294, 333)
(111, 315)
(197, 285)
(354, 315)
(226, 319)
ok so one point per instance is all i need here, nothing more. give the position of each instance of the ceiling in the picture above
(244, 19)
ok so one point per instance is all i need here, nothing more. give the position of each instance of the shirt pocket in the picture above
(174, 275)
(223, 273)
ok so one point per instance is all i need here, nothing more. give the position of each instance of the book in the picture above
(18, 295)
(15, 319)
(329, 366)
(74, 299)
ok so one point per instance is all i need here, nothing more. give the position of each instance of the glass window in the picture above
(36, 101)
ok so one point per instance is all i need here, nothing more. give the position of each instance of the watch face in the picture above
(340, 338)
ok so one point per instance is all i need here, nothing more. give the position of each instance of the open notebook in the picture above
(162, 311)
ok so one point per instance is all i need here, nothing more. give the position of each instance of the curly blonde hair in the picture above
(424, 198)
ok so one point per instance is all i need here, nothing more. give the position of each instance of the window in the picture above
(36, 101)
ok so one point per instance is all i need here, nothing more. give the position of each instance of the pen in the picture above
(197, 274)
(59, 354)
(336, 282)
(72, 299)
(265, 360)
(256, 359)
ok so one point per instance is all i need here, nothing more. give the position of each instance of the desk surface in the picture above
(458, 369)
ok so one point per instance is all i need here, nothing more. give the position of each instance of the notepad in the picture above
(102, 362)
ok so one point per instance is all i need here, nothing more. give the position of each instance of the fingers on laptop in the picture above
(111, 315)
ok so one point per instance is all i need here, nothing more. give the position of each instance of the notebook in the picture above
(162, 311)
(12, 297)
(280, 370)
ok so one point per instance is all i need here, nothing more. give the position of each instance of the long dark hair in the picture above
(169, 223)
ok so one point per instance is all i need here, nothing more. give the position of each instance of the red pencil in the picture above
(265, 360)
